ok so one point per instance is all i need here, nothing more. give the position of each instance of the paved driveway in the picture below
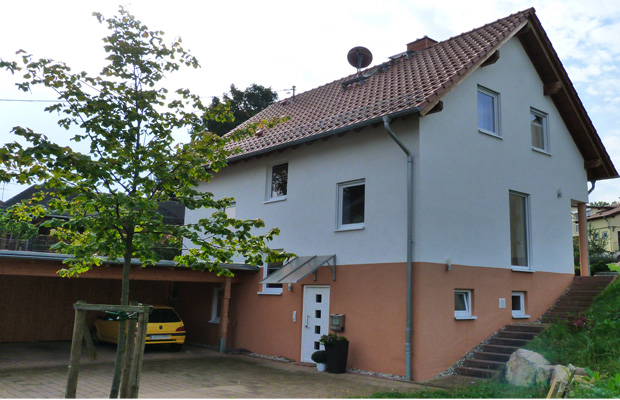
(40, 370)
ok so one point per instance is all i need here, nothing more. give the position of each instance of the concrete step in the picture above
(508, 341)
(498, 348)
(484, 364)
(569, 309)
(477, 372)
(517, 335)
(534, 328)
(487, 355)
(570, 303)
(596, 278)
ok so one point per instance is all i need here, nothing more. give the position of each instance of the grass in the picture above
(590, 340)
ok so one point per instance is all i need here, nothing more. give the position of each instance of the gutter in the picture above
(409, 329)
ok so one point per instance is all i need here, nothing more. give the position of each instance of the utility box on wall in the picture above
(336, 322)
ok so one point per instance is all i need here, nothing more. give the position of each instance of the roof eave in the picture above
(325, 134)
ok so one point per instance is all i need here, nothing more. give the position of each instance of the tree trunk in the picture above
(122, 334)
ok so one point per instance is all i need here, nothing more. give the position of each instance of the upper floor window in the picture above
(540, 131)
(488, 111)
(278, 182)
(351, 200)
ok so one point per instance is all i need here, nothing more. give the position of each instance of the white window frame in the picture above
(266, 289)
(269, 195)
(521, 312)
(230, 211)
(467, 313)
(216, 304)
(496, 113)
(353, 226)
(528, 230)
(545, 130)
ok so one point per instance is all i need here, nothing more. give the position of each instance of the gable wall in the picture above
(307, 218)
(465, 176)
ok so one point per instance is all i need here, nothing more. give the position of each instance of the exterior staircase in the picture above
(494, 354)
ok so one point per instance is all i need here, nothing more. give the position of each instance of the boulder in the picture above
(526, 368)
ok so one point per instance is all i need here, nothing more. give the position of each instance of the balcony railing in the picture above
(40, 243)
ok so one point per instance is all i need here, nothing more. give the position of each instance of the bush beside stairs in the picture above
(494, 354)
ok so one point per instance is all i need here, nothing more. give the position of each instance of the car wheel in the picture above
(176, 346)
(95, 336)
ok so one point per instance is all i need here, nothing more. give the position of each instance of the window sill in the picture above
(471, 317)
(274, 200)
(541, 151)
(489, 133)
(270, 293)
(357, 227)
(521, 316)
(522, 269)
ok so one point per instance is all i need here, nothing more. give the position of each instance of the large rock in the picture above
(526, 368)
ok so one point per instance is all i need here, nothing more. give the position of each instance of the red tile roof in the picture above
(409, 82)
(613, 210)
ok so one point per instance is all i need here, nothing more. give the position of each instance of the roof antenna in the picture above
(359, 57)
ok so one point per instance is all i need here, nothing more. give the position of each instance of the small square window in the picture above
(540, 130)
(351, 204)
(462, 304)
(518, 305)
(488, 111)
(278, 182)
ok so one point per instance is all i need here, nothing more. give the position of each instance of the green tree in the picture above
(597, 246)
(110, 195)
(242, 104)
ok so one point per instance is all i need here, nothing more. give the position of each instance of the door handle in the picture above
(307, 321)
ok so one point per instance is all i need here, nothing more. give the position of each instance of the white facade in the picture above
(461, 185)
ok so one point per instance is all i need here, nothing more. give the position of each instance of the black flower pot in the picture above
(337, 354)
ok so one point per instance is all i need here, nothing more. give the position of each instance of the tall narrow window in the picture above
(519, 219)
(540, 134)
(278, 181)
(351, 204)
(488, 111)
(271, 288)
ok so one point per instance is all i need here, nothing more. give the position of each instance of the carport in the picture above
(37, 304)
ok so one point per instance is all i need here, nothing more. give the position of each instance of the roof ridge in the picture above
(527, 12)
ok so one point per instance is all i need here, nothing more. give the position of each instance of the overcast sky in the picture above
(279, 44)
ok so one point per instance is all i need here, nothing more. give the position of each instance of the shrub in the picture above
(319, 357)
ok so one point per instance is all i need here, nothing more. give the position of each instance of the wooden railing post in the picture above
(76, 348)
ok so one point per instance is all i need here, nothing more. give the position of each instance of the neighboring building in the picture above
(501, 148)
(606, 221)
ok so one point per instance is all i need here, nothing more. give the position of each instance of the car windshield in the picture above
(163, 315)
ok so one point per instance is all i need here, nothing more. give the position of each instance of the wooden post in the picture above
(582, 221)
(136, 366)
(224, 315)
(76, 348)
(130, 344)
(90, 346)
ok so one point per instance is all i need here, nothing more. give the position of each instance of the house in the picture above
(426, 198)
(606, 221)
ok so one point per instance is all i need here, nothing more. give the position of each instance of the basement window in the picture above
(462, 304)
(518, 305)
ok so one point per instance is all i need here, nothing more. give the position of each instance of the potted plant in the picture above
(337, 351)
(320, 358)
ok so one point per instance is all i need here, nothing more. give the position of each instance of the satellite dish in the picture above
(359, 57)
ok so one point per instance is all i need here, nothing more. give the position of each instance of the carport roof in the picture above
(34, 255)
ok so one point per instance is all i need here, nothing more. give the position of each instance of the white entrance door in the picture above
(315, 320)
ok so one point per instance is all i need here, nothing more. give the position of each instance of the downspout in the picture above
(409, 329)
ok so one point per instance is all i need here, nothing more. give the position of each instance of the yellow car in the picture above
(164, 327)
